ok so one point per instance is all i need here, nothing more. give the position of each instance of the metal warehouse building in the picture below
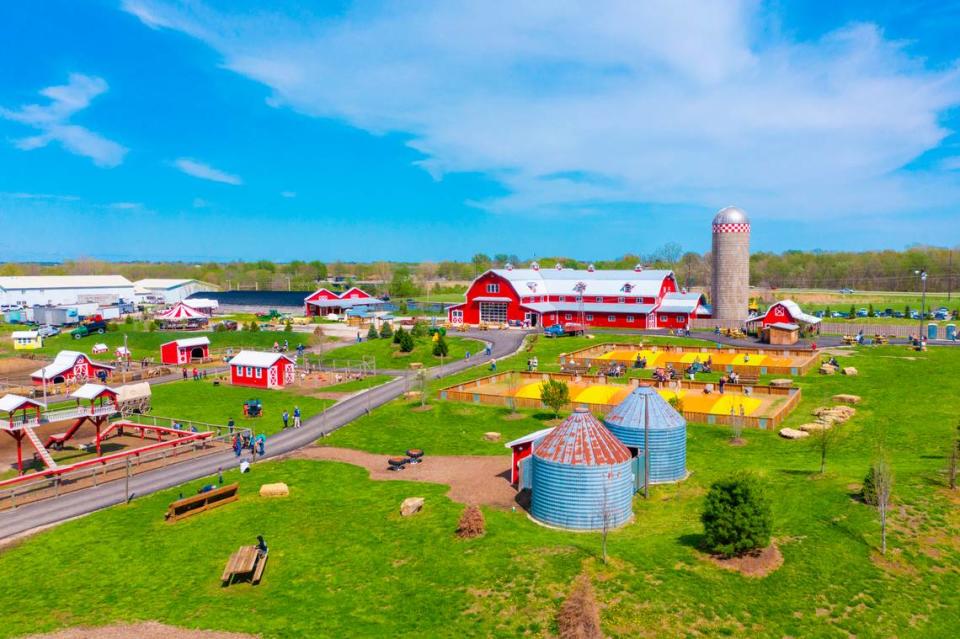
(31, 290)
(582, 476)
(645, 414)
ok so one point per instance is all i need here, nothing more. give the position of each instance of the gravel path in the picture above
(473, 479)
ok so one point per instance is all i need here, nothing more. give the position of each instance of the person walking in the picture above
(285, 416)
(230, 425)
(184, 372)
(296, 417)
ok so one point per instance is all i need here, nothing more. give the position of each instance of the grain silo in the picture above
(645, 414)
(730, 285)
(582, 476)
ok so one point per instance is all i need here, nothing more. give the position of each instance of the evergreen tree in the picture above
(398, 335)
(419, 329)
(440, 348)
(386, 331)
(406, 342)
(372, 332)
(736, 516)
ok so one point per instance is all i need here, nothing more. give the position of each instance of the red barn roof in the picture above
(582, 440)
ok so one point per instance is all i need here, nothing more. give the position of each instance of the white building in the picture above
(30, 290)
(168, 291)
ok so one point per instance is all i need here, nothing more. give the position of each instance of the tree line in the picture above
(885, 270)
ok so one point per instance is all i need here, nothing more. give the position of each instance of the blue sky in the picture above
(433, 130)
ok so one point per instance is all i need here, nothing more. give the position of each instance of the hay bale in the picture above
(781, 382)
(279, 489)
(827, 369)
(579, 616)
(814, 426)
(849, 370)
(492, 436)
(844, 398)
(471, 523)
(411, 506)
(792, 433)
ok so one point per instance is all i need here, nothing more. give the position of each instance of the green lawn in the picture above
(343, 563)
(355, 385)
(147, 344)
(202, 401)
(388, 355)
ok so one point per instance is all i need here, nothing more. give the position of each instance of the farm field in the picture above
(338, 543)
(388, 355)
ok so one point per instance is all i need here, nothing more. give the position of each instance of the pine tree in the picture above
(398, 335)
(440, 348)
(372, 333)
(386, 331)
(406, 343)
(736, 516)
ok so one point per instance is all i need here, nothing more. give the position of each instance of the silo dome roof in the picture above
(582, 440)
(631, 413)
(731, 215)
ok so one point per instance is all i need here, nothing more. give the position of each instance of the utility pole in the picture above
(949, 274)
(923, 300)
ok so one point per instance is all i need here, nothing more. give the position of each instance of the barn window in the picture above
(622, 300)
(259, 372)
(493, 288)
(664, 319)
(630, 318)
(589, 317)
(568, 316)
(598, 300)
(239, 370)
(249, 371)
(681, 318)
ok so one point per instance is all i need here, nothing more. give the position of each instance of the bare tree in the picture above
(883, 486)
(954, 466)
(422, 385)
(824, 442)
(606, 518)
(513, 382)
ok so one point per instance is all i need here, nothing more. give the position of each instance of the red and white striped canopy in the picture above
(180, 311)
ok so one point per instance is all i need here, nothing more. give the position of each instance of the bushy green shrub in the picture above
(398, 334)
(386, 331)
(736, 516)
(406, 342)
(419, 329)
(288, 327)
(440, 347)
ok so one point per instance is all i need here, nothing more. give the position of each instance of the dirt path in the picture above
(473, 479)
(147, 630)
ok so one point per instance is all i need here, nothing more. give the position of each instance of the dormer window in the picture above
(493, 288)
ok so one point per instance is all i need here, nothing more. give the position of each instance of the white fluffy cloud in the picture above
(52, 121)
(577, 106)
(206, 172)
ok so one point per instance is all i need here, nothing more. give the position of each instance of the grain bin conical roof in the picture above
(581, 440)
(632, 411)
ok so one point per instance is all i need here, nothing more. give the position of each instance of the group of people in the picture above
(197, 373)
(532, 364)
(285, 416)
(245, 441)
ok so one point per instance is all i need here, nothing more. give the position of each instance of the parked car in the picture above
(48, 331)
(225, 325)
(899, 314)
(863, 313)
(846, 291)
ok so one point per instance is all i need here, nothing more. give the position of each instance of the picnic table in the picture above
(849, 340)
(246, 563)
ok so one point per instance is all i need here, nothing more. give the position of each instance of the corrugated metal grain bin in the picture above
(582, 477)
(668, 432)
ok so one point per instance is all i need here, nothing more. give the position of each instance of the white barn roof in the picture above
(91, 391)
(63, 362)
(258, 359)
(190, 342)
(161, 284)
(553, 281)
(26, 282)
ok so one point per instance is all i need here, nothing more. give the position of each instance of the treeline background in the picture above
(868, 270)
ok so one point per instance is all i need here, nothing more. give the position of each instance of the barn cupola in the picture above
(591, 268)
(638, 268)
(508, 266)
(559, 266)
(534, 266)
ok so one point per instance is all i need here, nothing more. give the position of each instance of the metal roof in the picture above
(91, 391)
(731, 215)
(581, 440)
(181, 311)
(532, 437)
(63, 362)
(548, 281)
(258, 359)
(189, 342)
(786, 326)
(796, 313)
(24, 334)
(680, 303)
(10, 403)
(23, 282)
(573, 307)
(162, 283)
(632, 412)
(347, 303)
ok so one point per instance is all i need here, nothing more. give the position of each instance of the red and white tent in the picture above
(181, 312)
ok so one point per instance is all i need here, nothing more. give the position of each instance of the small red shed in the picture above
(261, 370)
(522, 448)
(185, 351)
(785, 311)
(70, 366)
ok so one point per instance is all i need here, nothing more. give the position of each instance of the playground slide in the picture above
(59, 438)
(41, 449)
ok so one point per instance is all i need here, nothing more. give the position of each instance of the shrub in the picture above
(736, 516)
(471, 523)
(386, 331)
(869, 491)
(153, 326)
(419, 329)
(253, 326)
(555, 394)
(288, 327)
(579, 617)
(440, 348)
(677, 403)
(406, 343)
(372, 333)
(128, 320)
(398, 334)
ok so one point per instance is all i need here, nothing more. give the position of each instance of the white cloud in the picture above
(126, 206)
(573, 107)
(206, 172)
(288, 194)
(52, 121)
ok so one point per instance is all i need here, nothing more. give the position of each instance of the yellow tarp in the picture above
(597, 394)
(530, 391)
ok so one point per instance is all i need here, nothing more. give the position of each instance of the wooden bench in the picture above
(748, 379)
(245, 563)
(199, 503)
(571, 367)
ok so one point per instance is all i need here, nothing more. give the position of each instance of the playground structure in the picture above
(761, 407)
(148, 443)
(743, 361)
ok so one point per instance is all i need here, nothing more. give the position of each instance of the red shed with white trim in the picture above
(522, 448)
(785, 312)
(262, 370)
(70, 366)
(185, 351)
(324, 301)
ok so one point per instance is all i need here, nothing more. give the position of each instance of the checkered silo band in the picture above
(731, 228)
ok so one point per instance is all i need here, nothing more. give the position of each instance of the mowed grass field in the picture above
(344, 563)
(388, 355)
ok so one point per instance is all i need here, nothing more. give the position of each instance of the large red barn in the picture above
(638, 298)
(185, 351)
(70, 366)
(261, 370)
